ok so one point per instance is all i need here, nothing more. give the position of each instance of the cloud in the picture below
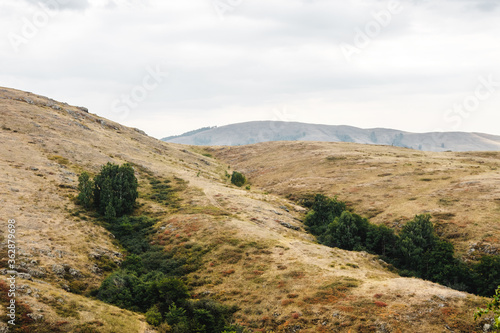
(263, 55)
(62, 4)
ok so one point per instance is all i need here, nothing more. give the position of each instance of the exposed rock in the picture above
(35, 316)
(285, 208)
(289, 226)
(75, 273)
(25, 276)
(58, 269)
(140, 131)
(84, 109)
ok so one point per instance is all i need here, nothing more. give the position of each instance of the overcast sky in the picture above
(168, 67)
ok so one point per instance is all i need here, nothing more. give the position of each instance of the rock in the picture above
(39, 273)
(58, 269)
(35, 316)
(285, 208)
(486, 327)
(56, 107)
(25, 276)
(84, 109)
(75, 273)
(140, 131)
(289, 226)
(95, 269)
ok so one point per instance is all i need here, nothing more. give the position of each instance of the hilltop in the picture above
(264, 131)
(254, 250)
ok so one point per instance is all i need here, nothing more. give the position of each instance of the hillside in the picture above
(280, 278)
(387, 184)
(264, 131)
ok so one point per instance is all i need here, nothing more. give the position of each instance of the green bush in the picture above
(494, 308)
(112, 192)
(153, 316)
(238, 179)
(416, 251)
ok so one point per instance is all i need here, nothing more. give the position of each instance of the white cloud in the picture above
(263, 55)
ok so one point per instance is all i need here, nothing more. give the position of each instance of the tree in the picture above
(153, 316)
(380, 240)
(115, 190)
(416, 237)
(487, 275)
(238, 179)
(85, 187)
(494, 308)
(323, 212)
(346, 232)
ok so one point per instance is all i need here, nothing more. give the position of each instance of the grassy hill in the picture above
(389, 185)
(246, 253)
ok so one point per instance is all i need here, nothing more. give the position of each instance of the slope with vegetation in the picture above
(389, 185)
(238, 251)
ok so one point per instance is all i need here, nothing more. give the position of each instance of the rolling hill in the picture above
(252, 248)
(264, 131)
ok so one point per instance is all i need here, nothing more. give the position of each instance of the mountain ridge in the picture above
(265, 131)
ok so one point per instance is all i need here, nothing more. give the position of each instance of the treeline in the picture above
(416, 251)
(150, 279)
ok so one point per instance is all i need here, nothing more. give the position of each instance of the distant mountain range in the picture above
(263, 131)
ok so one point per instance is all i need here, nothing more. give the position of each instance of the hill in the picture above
(389, 185)
(264, 131)
(239, 243)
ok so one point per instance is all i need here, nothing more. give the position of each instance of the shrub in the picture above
(238, 179)
(494, 308)
(153, 316)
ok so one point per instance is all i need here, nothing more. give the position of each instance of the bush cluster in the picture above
(415, 251)
(112, 192)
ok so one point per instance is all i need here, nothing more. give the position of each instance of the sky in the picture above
(168, 67)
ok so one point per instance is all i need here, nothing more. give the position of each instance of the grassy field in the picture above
(281, 279)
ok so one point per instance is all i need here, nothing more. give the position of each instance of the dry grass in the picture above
(389, 185)
(280, 278)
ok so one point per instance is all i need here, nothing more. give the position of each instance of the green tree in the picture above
(380, 240)
(492, 307)
(115, 187)
(487, 275)
(238, 179)
(86, 188)
(416, 238)
(323, 212)
(175, 315)
(346, 232)
(153, 316)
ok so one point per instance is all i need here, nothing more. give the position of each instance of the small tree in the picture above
(494, 308)
(238, 179)
(153, 316)
(86, 189)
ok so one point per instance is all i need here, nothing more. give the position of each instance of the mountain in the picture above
(239, 247)
(264, 131)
